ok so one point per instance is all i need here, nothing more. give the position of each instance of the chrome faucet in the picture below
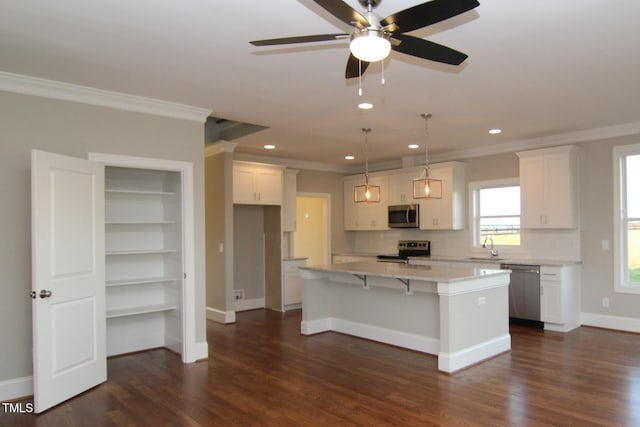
(494, 252)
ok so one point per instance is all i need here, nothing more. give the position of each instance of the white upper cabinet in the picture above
(548, 187)
(401, 187)
(446, 213)
(257, 184)
(365, 216)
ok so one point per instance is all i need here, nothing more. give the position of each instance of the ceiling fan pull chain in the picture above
(382, 80)
(359, 77)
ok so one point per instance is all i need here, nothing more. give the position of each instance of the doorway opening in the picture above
(312, 238)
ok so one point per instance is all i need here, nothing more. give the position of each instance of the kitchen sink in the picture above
(484, 258)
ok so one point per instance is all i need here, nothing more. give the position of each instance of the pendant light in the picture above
(426, 187)
(366, 193)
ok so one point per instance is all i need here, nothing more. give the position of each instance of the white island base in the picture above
(460, 314)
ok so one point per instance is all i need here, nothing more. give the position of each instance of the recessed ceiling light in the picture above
(495, 131)
(365, 106)
(414, 146)
(349, 157)
(269, 147)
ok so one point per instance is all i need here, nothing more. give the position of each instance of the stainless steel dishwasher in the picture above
(524, 293)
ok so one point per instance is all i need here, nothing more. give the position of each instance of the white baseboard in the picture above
(16, 388)
(451, 362)
(374, 333)
(387, 336)
(201, 350)
(315, 326)
(627, 324)
(249, 304)
(220, 316)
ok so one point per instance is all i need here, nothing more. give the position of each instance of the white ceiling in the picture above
(536, 69)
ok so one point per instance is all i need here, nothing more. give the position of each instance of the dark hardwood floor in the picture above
(261, 371)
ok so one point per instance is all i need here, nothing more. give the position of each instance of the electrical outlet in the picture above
(238, 294)
(605, 302)
(482, 300)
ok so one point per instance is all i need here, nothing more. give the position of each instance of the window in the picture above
(496, 212)
(627, 218)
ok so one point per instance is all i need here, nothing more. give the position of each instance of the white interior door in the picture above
(67, 220)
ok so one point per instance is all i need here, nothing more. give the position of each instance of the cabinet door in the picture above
(533, 191)
(374, 216)
(551, 301)
(401, 188)
(558, 207)
(243, 191)
(69, 328)
(350, 207)
(445, 213)
(268, 186)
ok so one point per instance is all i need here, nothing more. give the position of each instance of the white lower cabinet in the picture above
(144, 259)
(292, 283)
(560, 297)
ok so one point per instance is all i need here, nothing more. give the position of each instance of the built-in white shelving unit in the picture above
(144, 259)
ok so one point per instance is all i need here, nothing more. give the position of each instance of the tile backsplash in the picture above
(539, 244)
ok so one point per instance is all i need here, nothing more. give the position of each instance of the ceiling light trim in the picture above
(26, 85)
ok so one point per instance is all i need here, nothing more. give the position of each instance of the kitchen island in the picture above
(460, 313)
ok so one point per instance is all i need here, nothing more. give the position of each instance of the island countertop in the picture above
(432, 273)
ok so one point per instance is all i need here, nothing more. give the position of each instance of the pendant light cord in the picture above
(426, 118)
(366, 154)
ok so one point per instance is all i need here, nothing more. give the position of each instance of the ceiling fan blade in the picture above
(425, 49)
(354, 69)
(427, 13)
(299, 39)
(343, 12)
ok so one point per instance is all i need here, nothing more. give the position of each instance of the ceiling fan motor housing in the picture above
(367, 3)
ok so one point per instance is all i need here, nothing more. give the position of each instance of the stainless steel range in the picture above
(407, 248)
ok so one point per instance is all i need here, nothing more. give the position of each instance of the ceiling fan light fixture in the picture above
(370, 45)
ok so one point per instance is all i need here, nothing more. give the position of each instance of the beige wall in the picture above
(28, 122)
(310, 230)
(331, 183)
(596, 209)
(219, 231)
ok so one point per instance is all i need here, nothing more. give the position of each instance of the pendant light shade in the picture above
(426, 187)
(366, 193)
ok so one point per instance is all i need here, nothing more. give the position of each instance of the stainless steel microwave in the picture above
(404, 216)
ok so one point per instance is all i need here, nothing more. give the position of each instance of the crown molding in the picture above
(295, 164)
(589, 135)
(34, 86)
(219, 147)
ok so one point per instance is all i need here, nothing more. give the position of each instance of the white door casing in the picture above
(68, 306)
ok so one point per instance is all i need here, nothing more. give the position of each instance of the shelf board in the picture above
(140, 192)
(140, 281)
(145, 309)
(140, 222)
(141, 252)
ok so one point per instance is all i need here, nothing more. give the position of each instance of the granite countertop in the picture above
(433, 273)
(507, 259)
(499, 260)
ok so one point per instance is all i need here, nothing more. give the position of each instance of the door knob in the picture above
(45, 293)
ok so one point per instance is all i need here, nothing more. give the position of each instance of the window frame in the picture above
(474, 211)
(620, 255)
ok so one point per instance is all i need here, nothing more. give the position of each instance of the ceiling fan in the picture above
(373, 38)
